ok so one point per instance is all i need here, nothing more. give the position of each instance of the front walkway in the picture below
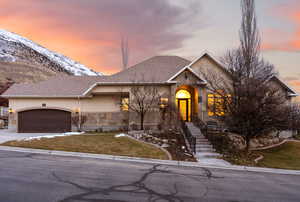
(6, 135)
(205, 153)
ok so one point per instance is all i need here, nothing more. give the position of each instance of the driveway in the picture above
(6, 135)
(36, 177)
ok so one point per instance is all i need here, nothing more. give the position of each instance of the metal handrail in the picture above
(190, 138)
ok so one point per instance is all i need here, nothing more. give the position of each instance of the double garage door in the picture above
(44, 121)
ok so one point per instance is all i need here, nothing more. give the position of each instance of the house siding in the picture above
(102, 109)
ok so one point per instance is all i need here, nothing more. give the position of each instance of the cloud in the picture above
(90, 31)
(280, 38)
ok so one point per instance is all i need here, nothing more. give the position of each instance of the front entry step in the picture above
(204, 151)
(201, 155)
(204, 146)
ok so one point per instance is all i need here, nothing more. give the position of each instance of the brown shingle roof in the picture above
(156, 69)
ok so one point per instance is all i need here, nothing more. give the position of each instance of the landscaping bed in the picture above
(96, 143)
(177, 146)
(171, 140)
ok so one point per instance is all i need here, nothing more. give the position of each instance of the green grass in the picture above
(286, 156)
(98, 143)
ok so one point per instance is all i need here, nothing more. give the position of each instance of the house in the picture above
(4, 103)
(49, 106)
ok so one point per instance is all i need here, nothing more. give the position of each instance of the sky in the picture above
(90, 31)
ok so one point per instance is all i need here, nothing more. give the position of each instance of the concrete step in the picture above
(201, 140)
(205, 150)
(200, 137)
(200, 155)
(203, 146)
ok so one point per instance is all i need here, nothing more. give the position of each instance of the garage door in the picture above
(44, 121)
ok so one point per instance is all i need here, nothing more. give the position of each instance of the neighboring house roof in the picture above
(156, 70)
(291, 92)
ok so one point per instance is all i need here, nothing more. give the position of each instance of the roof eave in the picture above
(293, 92)
(122, 83)
(293, 95)
(40, 96)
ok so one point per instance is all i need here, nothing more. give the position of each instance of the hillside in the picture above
(24, 73)
(15, 49)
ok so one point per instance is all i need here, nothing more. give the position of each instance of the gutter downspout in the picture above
(79, 113)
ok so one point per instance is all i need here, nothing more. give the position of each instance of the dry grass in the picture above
(286, 156)
(94, 143)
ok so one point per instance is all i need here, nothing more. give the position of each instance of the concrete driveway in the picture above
(6, 135)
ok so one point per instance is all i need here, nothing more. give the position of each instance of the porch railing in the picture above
(190, 138)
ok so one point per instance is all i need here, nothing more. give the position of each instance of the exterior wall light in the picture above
(163, 102)
(10, 110)
(77, 110)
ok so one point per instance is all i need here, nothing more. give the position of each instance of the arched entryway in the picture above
(184, 104)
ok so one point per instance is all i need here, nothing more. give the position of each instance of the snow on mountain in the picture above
(10, 50)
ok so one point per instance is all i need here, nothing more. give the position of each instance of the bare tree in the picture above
(247, 102)
(124, 52)
(78, 121)
(143, 99)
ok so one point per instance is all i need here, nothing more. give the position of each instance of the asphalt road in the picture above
(42, 178)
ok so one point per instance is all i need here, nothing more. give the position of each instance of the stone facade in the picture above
(106, 121)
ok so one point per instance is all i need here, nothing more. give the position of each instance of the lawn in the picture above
(286, 156)
(99, 143)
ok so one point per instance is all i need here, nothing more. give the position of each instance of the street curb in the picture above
(148, 161)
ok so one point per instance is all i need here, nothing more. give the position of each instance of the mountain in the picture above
(24, 73)
(20, 56)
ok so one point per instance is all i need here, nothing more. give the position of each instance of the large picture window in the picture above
(216, 105)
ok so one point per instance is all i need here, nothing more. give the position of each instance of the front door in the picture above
(183, 106)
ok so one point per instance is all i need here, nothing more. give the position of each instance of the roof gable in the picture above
(155, 69)
(292, 92)
(187, 68)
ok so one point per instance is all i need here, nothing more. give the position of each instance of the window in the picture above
(124, 104)
(216, 105)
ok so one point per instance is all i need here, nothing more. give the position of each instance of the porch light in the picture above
(163, 102)
(77, 110)
(10, 110)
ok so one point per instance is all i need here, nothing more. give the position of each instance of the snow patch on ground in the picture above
(121, 135)
(52, 136)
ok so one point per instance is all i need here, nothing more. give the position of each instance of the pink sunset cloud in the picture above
(279, 38)
(90, 33)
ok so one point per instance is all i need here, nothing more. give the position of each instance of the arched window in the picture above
(183, 94)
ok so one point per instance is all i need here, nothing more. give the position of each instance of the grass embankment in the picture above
(98, 143)
(286, 156)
